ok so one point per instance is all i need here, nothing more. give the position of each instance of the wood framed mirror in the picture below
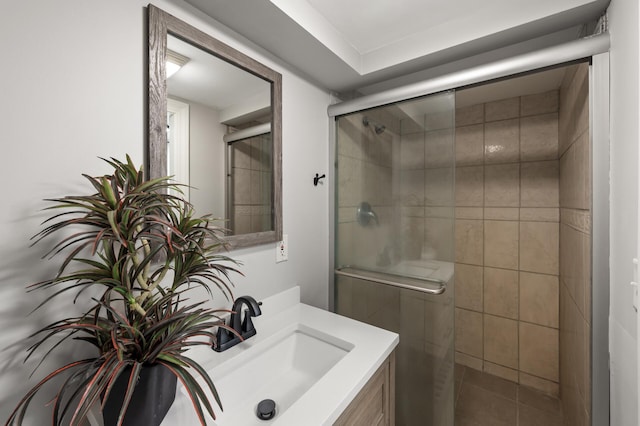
(215, 125)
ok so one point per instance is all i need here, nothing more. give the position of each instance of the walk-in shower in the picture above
(528, 236)
(395, 243)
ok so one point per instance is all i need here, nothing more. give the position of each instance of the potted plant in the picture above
(140, 251)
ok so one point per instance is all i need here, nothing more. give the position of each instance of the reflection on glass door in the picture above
(250, 193)
(395, 243)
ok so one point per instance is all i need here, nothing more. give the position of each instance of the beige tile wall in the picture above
(426, 186)
(252, 172)
(364, 174)
(575, 247)
(507, 239)
(406, 173)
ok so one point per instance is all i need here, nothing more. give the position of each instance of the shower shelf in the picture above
(423, 285)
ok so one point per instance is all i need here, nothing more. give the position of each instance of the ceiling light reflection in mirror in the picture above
(175, 61)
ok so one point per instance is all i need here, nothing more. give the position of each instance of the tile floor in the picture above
(486, 400)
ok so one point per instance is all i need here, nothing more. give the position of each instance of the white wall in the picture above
(72, 85)
(623, 24)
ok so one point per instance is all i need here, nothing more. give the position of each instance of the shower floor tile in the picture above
(486, 400)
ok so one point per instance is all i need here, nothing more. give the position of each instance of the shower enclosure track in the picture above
(547, 57)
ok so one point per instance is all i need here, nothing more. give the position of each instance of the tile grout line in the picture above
(518, 394)
(556, 416)
(455, 403)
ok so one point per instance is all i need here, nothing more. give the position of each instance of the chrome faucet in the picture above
(243, 329)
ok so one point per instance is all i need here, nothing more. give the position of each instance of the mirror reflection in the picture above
(219, 137)
(251, 173)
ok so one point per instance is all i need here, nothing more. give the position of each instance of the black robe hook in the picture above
(317, 179)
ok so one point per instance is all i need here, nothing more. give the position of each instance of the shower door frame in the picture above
(595, 48)
(600, 166)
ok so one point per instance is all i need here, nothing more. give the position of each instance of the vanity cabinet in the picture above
(375, 404)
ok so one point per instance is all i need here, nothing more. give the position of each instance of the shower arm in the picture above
(377, 128)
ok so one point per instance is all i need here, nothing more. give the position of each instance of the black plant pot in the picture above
(152, 398)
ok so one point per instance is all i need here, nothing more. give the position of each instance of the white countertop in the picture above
(323, 403)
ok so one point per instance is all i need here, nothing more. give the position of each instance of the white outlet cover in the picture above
(282, 249)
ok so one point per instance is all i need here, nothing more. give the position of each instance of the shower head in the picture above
(378, 128)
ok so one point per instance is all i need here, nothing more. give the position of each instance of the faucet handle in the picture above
(223, 336)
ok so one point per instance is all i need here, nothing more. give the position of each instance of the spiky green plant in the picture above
(141, 248)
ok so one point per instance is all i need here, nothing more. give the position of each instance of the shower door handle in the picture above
(423, 285)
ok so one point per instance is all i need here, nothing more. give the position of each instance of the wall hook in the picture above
(317, 179)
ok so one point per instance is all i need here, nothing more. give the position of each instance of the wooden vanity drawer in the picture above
(375, 404)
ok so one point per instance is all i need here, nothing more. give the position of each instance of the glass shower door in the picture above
(395, 243)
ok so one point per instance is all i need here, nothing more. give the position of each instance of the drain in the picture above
(266, 409)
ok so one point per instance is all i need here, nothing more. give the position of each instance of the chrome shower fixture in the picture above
(365, 214)
(378, 128)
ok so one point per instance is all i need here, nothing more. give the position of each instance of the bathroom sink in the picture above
(281, 368)
(311, 362)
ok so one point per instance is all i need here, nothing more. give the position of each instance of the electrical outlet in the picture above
(282, 249)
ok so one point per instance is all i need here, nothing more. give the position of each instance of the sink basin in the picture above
(281, 368)
(311, 362)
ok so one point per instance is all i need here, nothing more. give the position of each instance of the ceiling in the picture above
(210, 81)
(348, 45)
